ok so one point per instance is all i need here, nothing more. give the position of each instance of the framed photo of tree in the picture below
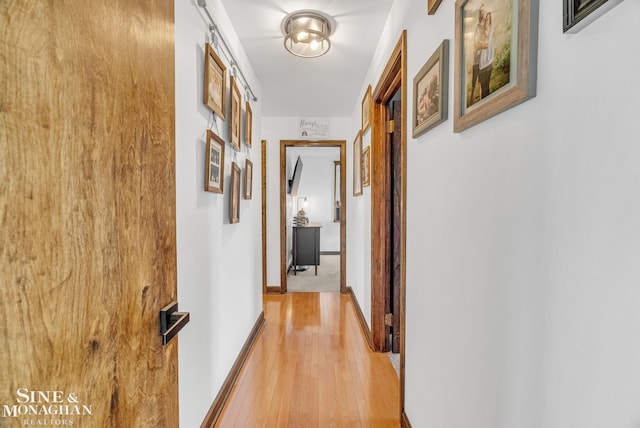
(495, 58)
(215, 82)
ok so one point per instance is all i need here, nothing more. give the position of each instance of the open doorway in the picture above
(301, 235)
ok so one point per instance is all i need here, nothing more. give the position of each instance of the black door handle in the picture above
(171, 321)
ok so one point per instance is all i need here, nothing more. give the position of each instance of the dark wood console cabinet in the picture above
(306, 246)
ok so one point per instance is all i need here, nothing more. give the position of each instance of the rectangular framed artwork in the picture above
(248, 179)
(366, 167)
(234, 194)
(215, 82)
(366, 109)
(430, 91)
(214, 166)
(357, 165)
(248, 124)
(580, 13)
(495, 58)
(234, 115)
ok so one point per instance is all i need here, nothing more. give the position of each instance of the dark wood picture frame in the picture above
(431, 91)
(511, 77)
(248, 179)
(432, 6)
(357, 165)
(214, 164)
(235, 100)
(366, 110)
(366, 167)
(234, 194)
(580, 13)
(215, 82)
(248, 124)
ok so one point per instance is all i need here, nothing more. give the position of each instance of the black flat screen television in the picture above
(294, 182)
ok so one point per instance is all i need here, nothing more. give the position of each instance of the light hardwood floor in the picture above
(311, 367)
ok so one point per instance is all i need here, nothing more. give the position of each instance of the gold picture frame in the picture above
(431, 91)
(234, 194)
(248, 179)
(366, 109)
(357, 165)
(248, 124)
(214, 164)
(366, 167)
(234, 115)
(495, 52)
(215, 82)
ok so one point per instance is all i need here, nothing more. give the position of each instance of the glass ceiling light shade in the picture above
(307, 33)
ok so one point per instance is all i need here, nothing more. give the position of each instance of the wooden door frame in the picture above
(284, 144)
(394, 77)
(263, 187)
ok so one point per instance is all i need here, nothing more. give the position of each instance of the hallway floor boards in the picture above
(311, 367)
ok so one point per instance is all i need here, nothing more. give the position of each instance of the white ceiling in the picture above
(324, 86)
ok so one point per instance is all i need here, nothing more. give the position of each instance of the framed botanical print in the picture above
(495, 58)
(580, 13)
(248, 179)
(214, 166)
(367, 107)
(357, 165)
(215, 82)
(430, 91)
(248, 124)
(234, 115)
(366, 167)
(234, 194)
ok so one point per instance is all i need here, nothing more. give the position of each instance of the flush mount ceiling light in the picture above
(307, 33)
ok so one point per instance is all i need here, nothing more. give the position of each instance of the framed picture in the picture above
(430, 91)
(248, 124)
(357, 165)
(248, 179)
(366, 167)
(495, 58)
(234, 194)
(234, 115)
(366, 110)
(580, 13)
(214, 166)
(432, 6)
(215, 82)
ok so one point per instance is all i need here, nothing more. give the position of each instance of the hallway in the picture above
(311, 367)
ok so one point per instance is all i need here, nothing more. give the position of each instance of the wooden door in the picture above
(87, 213)
(396, 223)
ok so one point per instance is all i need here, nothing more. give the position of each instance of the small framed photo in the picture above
(367, 107)
(215, 82)
(248, 179)
(214, 166)
(430, 91)
(432, 6)
(234, 194)
(357, 165)
(580, 13)
(234, 115)
(366, 167)
(248, 124)
(495, 58)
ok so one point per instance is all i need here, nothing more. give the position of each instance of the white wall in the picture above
(219, 276)
(523, 235)
(275, 129)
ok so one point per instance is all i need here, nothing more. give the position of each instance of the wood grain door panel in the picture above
(87, 209)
